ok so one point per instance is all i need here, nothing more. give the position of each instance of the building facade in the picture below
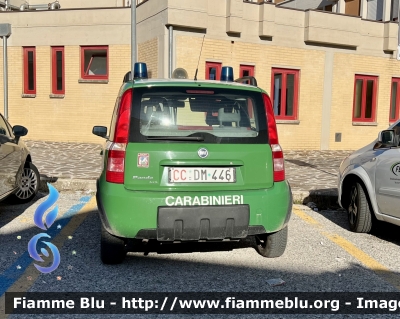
(378, 10)
(334, 78)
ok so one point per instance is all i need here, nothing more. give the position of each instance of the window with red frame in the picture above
(246, 70)
(284, 93)
(94, 62)
(29, 70)
(364, 108)
(213, 70)
(57, 70)
(394, 113)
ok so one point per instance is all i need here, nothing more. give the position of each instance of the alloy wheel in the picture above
(28, 184)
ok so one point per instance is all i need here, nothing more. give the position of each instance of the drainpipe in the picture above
(5, 77)
(5, 32)
(133, 36)
(171, 34)
(398, 34)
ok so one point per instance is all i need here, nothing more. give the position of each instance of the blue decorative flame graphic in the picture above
(52, 215)
(33, 252)
(50, 218)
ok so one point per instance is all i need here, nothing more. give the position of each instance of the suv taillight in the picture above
(277, 153)
(116, 150)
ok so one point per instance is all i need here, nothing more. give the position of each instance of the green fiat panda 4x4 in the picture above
(192, 161)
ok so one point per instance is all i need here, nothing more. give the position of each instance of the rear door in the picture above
(10, 160)
(211, 139)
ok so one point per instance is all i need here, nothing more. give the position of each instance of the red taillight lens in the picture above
(272, 131)
(277, 153)
(124, 116)
(279, 163)
(116, 151)
(116, 163)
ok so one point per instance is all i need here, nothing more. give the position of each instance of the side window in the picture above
(397, 131)
(94, 63)
(213, 70)
(284, 93)
(3, 127)
(364, 108)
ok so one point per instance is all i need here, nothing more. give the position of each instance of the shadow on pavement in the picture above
(386, 231)
(9, 209)
(382, 230)
(324, 198)
(305, 164)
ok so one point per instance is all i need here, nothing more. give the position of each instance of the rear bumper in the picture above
(170, 216)
(202, 223)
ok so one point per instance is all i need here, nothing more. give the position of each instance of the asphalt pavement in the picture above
(322, 256)
(76, 166)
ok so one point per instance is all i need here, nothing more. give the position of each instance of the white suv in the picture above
(369, 182)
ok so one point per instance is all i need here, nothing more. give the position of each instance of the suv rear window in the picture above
(186, 113)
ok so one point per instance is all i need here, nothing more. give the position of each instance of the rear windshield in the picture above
(211, 115)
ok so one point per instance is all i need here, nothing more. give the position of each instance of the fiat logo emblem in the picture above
(203, 153)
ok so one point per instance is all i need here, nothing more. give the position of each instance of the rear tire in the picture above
(359, 213)
(29, 185)
(272, 245)
(112, 250)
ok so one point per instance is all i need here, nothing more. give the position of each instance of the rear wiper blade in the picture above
(176, 138)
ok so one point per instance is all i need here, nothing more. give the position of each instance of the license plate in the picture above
(202, 175)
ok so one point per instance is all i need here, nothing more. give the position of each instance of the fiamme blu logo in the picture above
(44, 222)
(396, 169)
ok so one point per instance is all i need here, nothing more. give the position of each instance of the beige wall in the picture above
(148, 53)
(84, 105)
(235, 32)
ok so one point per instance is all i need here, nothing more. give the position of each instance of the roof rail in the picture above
(251, 80)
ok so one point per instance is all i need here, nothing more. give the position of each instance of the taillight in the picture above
(124, 117)
(116, 163)
(116, 150)
(277, 153)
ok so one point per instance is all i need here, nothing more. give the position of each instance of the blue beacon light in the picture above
(140, 70)
(227, 74)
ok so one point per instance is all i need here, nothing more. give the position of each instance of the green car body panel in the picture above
(130, 207)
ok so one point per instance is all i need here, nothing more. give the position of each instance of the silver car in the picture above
(369, 182)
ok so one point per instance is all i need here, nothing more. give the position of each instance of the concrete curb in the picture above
(322, 199)
(68, 184)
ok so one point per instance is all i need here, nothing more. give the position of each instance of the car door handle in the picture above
(373, 160)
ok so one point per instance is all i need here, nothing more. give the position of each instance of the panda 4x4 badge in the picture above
(143, 160)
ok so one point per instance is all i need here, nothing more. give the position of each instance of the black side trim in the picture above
(146, 234)
(100, 207)
(255, 230)
(289, 212)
